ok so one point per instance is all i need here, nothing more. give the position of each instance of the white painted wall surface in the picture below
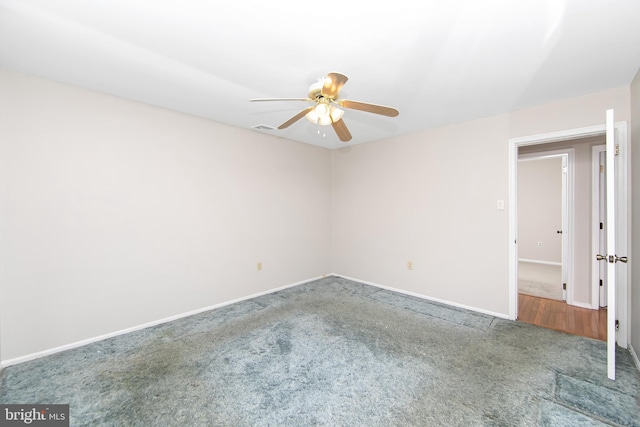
(430, 198)
(116, 213)
(540, 209)
(634, 259)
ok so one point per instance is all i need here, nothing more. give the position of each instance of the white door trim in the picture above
(595, 224)
(623, 214)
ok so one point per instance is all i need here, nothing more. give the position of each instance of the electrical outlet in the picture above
(410, 265)
(259, 266)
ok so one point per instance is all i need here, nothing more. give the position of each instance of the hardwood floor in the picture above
(561, 316)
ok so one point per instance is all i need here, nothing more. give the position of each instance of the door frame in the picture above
(596, 203)
(567, 207)
(623, 214)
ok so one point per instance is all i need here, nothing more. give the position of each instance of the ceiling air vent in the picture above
(263, 127)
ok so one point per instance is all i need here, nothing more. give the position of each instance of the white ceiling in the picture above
(436, 61)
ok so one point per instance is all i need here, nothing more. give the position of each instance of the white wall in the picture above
(540, 209)
(430, 198)
(115, 213)
(635, 241)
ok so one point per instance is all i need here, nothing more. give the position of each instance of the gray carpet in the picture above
(336, 353)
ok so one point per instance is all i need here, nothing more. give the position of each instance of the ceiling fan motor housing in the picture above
(315, 90)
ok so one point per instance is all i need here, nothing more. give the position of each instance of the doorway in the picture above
(581, 294)
(545, 215)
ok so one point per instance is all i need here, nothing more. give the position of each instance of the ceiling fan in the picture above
(325, 94)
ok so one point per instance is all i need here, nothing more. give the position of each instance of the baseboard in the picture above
(537, 261)
(37, 355)
(583, 305)
(424, 297)
(634, 355)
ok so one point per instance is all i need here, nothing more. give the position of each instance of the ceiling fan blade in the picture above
(332, 85)
(279, 99)
(370, 108)
(295, 118)
(341, 129)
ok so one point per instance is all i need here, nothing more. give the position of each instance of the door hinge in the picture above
(617, 149)
(601, 226)
(617, 325)
(601, 168)
(601, 284)
(564, 287)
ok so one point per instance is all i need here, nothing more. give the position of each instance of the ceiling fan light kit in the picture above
(324, 114)
(325, 94)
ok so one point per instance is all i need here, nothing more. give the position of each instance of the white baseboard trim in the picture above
(39, 354)
(583, 305)
(634, 355)
(424, 297)
(537, 261)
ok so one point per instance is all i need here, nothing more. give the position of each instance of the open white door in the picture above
(611, 258)
(611, 246)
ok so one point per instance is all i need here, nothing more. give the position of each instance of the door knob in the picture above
(612, 258)
(559, 231)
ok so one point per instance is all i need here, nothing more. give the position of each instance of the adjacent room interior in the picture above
(549, 176)
(164, 240)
